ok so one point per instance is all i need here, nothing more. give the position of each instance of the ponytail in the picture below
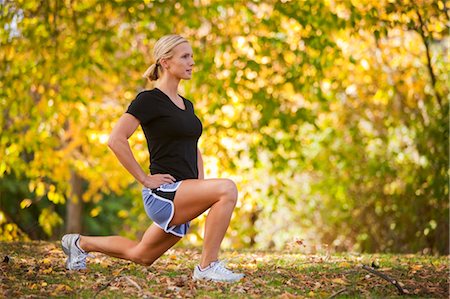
(152, 73)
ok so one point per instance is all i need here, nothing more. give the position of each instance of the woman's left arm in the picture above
(201, 172)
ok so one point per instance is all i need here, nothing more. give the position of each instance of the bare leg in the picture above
(153, 244)
(196, 196)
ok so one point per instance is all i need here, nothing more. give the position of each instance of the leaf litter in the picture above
(36, 269)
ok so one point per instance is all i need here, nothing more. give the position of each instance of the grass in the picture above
(36, 269)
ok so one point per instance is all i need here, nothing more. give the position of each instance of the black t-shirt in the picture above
(171, 132)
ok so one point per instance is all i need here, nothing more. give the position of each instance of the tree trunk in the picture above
(74, 204)
(253, 218)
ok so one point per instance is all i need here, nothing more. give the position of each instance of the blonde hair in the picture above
(162, 50)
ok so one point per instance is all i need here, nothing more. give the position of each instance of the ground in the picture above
(36, 270)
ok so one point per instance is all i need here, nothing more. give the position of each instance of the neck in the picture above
(168, 85)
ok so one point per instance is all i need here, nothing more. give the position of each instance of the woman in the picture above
(175, 192)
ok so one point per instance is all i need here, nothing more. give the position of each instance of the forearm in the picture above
(122, 150)
(201, 171)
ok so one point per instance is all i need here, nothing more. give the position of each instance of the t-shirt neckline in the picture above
(184, 102)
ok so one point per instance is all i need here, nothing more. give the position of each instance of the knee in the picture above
(142, 260)
(145, 261)
(228, 191)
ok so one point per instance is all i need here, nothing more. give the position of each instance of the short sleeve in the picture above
(191, 106)
(142, 107)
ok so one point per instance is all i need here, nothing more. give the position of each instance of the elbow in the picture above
(116, 141)
(112, 142)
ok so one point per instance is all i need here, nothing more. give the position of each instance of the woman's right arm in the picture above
(118, 142)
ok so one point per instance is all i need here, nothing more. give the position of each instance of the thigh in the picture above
(194, 197)
(154, 243)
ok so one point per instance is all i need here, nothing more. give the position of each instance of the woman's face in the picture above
(181, 63)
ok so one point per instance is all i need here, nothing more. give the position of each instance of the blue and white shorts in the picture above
(158, 204)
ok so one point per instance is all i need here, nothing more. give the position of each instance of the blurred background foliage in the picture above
(331, 116)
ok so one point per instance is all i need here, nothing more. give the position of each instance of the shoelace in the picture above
(220, 267)
(80, 260)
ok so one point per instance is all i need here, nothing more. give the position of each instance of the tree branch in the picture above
(385, 277)
(337, 293)
(421, 31)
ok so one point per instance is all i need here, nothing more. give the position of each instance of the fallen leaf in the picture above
(46, 261)
(174, 288)
(300, 242)
(287, 295)
(339, 281)
(47, 271)
(62, 288)
(171, 267)
(416, 267)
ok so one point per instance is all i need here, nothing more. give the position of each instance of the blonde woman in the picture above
(175, 191)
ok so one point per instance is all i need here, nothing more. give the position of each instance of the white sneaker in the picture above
(216, 271)
(76, 258)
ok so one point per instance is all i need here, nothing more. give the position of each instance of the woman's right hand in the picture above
(153, 181)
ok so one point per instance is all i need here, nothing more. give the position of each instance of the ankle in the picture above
(82, 244)
(206, 264)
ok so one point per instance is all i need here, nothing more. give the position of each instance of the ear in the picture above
(164, 63)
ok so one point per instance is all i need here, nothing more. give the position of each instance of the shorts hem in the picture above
(166, 227)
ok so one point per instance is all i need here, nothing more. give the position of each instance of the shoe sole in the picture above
(216, 280)
(67, 240)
